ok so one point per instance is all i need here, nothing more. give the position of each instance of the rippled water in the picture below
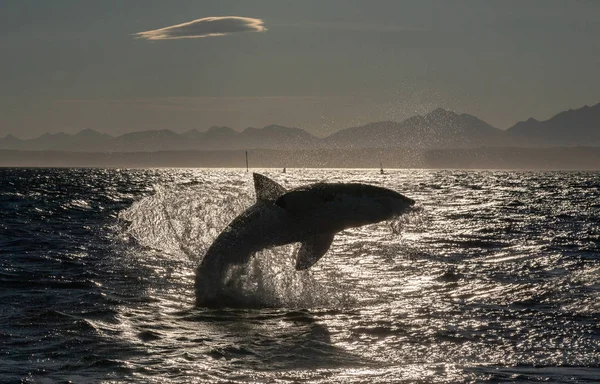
(495, 278)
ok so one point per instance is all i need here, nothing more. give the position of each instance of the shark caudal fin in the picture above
(266, 189)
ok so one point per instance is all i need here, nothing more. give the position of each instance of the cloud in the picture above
(205, 27)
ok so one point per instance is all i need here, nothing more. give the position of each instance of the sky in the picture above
(120, 66)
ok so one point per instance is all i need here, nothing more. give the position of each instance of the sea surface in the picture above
(494, 277)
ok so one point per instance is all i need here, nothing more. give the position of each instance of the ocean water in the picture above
(495, 277)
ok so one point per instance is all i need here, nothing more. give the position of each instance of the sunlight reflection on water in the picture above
(493, 278)
(421, 296)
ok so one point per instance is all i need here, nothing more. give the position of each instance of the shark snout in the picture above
(394, 203)
(402, 203)
(409, 201)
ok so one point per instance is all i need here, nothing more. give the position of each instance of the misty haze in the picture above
(440, 139)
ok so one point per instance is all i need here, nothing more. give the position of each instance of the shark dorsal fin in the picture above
(266, 189)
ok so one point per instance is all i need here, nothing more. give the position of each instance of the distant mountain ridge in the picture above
(438, 129)
(573, 127)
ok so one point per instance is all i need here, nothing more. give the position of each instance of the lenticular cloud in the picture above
(205, 27)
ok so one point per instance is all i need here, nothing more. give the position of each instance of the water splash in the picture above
(185, 220)
(415, 217)
(182, 218)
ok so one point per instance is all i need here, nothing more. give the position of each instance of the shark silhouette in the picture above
(310, 215)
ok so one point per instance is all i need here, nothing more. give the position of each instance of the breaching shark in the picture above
(310, 215)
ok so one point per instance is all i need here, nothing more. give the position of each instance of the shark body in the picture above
(310, 215)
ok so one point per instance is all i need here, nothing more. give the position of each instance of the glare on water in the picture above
(493, 277)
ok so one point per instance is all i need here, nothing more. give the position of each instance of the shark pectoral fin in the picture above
(266, 189)
(312, 249)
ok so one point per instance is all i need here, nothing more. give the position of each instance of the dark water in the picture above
(496, 278)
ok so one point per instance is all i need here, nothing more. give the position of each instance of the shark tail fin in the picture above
(267, 189)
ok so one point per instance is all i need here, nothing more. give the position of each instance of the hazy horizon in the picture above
(119, 67)
(240, 130)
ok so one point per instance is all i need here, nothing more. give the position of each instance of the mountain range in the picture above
(439, 129)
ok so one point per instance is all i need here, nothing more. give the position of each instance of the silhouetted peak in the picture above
(439, 110)
(275, 131)
(415, 120)
(586, 107)
(89, 133)
(151, 133)
(570, 127)
(11, 137)
(441, 114)
(192, 133)
(521, 124)
(275, 127)
(166, 132)
(49, 135)
(220, 130)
